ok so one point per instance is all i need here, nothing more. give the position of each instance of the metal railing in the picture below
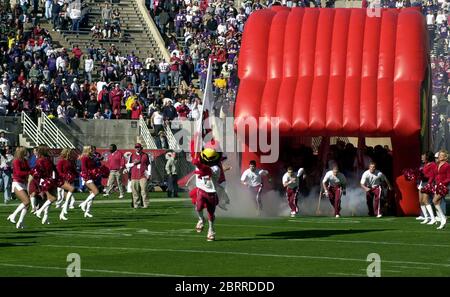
(173, 144)
(144, 132)
(30, 129)
(50, 130)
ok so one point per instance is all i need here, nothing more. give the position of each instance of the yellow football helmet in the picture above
(210, 155)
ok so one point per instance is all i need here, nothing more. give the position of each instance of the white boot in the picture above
(19, 224)
(12, 217)
(72, 202)
(44, 208)
(442, 216)
(33, 204)
(88, 208)
(432, 220)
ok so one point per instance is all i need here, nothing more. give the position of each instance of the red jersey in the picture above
(443, 174)
(21, 170)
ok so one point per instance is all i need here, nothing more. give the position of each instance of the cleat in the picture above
(293, 213)
(379, 216)
(425, 221)
(105, 195)
(33, 210)
(432, 222)
(200, 226)
(62, 217)
(45, 220)
(87, 215)
(20, 226)
(11, 219)
(121, 197)
(38, 214)
(211, 237)
(82, 206)
(420, 218)
(71, 207)
(442, 225)
(338, 216)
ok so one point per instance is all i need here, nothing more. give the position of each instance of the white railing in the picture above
(50, 130)
(173, 144)
(30, 129)
(144, 132)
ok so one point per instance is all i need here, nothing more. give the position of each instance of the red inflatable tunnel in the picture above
(340, 72)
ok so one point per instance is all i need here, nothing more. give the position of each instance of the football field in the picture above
(162, 241)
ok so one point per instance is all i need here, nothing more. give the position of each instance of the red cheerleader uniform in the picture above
(66, 171)
(43, 172)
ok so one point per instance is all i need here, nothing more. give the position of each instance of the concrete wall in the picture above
(100, 133)
(13, 126)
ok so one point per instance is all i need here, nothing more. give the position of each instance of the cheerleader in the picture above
(87, 173)
(442, 181)
(427, 175)
(66, 175)
(21, 171)
(44, 172)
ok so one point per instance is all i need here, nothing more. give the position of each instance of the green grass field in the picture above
(161, 241)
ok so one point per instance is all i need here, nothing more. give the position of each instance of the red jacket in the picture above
(115, 161)
(45, 168)
(429, 172)
(21, 170)
(136, 111)
(443, 174)
(87, 164)
(115, 97)
(63, 167)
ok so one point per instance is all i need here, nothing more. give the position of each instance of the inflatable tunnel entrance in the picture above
(340, 72)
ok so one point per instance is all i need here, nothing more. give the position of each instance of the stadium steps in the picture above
(135, 34)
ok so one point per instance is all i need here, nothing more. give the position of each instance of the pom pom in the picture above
(35, 173)
(428, 189)
(441, 190)
(60, 181)
(410, 174)
(86, 176)
(70, 177)
(98, 172)
(48, 184)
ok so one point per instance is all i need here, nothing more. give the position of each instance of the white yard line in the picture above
(239, 254)
(346, 274)
(371, 242)
(385, 270)
(89, 270)
(410, 267)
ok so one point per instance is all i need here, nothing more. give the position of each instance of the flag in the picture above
(205, 112)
